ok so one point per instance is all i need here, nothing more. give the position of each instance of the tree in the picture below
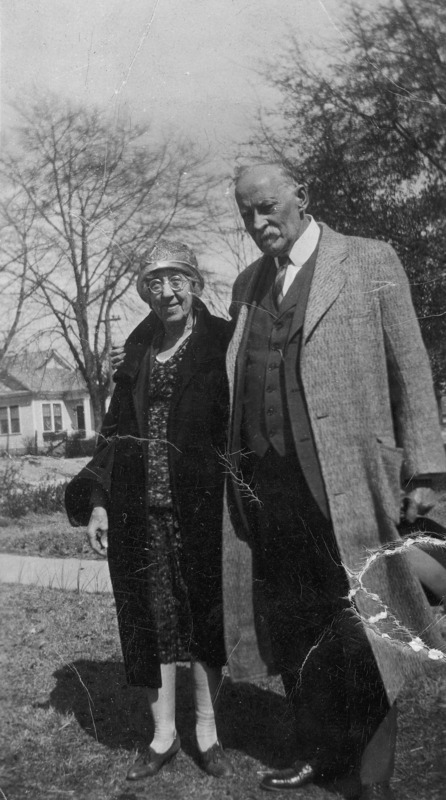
(368, 133)
(14, 271)
(230, 241)
(92, 194)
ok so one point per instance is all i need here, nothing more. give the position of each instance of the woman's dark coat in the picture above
(196, 431)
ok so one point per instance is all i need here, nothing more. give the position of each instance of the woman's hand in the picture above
(97, 530)
(117, 356)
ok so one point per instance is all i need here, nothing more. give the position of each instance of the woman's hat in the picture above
(173, 255)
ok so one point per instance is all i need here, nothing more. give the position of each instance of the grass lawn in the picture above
(70, 725)
(49, 535)
(40, 534)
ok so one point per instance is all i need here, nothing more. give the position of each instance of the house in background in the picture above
(42, 400)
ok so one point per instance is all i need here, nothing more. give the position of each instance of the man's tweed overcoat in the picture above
(368, 388)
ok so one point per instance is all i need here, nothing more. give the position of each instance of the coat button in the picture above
(271, 411)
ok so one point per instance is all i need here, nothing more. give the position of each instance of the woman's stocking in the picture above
(206, 685)
(162, 707)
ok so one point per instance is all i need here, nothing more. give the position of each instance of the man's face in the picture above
(271, 208)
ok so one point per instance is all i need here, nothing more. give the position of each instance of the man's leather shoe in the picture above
(149, 762)
(215, 762)
(376, 791)
(296, 776)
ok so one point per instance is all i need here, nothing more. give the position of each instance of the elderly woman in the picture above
(153, 498)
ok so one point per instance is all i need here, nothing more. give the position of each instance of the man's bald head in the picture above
(265, 169)
(272, 204)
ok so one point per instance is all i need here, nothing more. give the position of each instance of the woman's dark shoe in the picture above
(215, 762)
(149, 762)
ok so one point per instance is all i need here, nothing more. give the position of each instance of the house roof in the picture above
(9, 385)
(39, 372)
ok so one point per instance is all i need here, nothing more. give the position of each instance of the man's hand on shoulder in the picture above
(117, 356)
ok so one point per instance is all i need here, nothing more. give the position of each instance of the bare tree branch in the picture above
(90, 197)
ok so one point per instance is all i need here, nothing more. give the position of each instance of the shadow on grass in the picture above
(255, 721)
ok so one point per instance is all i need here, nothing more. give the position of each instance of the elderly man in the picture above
(332, 407)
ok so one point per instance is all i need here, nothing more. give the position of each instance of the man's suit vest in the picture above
(266, 413)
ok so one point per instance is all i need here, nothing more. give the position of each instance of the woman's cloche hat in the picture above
(173, 255)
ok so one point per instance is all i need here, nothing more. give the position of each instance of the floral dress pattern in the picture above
(169, 600)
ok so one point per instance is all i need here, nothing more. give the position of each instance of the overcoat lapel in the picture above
(328, 279)
(140, 355)
(236, 353)
(298, 295)
(202, 349)
(140, 388)
(135, 363)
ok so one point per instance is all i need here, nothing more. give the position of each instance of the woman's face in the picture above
(170, 304)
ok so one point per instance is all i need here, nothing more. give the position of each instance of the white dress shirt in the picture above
(300, 252)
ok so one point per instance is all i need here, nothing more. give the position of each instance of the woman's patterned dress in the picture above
(169, 594)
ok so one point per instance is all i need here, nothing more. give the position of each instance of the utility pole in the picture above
(108, 340)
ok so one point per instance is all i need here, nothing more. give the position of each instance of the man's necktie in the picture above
(280, 279)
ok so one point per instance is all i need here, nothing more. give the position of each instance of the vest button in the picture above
(271, 411)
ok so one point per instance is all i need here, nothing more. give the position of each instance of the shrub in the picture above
(15, 505)
(76, 446)
(30, 446)
(14, 500)
(18, 497)
(48, 498)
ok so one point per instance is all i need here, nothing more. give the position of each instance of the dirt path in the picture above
(69, 574)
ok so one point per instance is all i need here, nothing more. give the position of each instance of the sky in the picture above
(185, 64)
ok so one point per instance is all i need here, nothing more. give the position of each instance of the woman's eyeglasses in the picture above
(176, 283)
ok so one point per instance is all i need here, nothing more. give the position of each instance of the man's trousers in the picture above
(319, 644)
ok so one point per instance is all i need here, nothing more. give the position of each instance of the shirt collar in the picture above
(305, 245)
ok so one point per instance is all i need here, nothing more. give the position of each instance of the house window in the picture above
(9, 419)
(80, 417)
(14, 419)
(4, 427)
(46, 412)
(52, 416)
(57, 416)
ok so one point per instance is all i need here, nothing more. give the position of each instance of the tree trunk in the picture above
(98, 407)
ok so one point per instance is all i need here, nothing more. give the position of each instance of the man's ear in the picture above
(302, 195)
